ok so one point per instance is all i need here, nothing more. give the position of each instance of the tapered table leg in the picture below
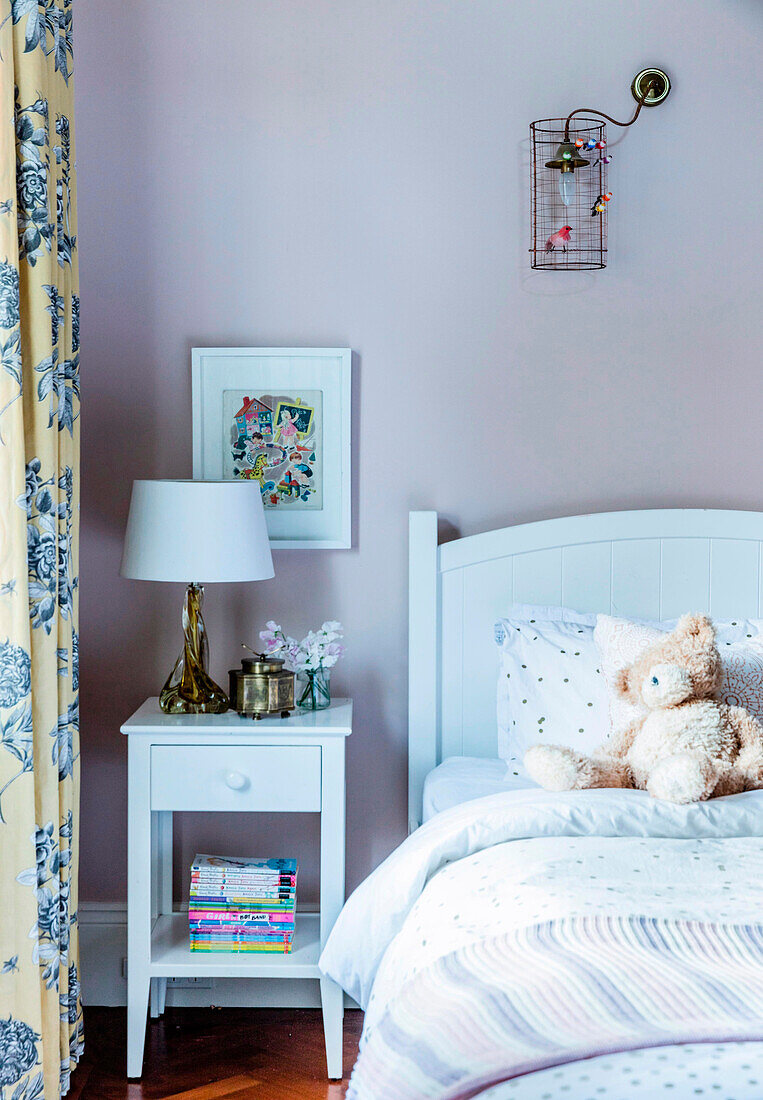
(332, 893)
(138, 903)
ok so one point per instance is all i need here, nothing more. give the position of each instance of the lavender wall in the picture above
(353, 173)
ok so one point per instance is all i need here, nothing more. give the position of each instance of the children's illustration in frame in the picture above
(281, 417)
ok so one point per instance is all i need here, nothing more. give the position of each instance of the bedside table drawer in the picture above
(250, 777)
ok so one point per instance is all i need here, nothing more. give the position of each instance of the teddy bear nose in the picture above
(655, 680)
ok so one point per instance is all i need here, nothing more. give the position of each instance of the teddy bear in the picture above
(686, 747)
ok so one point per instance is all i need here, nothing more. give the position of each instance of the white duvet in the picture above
(487, 869)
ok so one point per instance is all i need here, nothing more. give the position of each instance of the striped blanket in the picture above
(560, 990)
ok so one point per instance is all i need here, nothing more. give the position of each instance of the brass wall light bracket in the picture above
(651, 86)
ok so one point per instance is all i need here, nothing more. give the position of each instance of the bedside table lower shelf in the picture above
(171, 955)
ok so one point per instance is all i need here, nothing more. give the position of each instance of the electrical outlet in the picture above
(177, 983)
(189, 983)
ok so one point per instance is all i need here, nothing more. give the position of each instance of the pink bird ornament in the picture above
(559, 239)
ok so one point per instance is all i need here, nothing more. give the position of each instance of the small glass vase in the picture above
(314, 689)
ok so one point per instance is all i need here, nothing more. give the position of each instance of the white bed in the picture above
(525, 944)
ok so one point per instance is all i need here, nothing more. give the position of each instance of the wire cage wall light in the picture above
(568, 233)
(569, 196)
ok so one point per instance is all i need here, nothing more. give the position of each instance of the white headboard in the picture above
(649, 565)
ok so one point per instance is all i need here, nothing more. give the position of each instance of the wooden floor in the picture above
(214, 1054)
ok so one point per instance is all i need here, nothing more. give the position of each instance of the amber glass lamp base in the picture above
(189, 688)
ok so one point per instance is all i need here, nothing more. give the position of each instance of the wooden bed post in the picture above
(423, 582)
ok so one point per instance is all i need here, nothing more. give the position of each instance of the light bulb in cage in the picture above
(567, 159)
(567, 187)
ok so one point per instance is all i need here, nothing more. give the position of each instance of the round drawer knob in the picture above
(236, 780)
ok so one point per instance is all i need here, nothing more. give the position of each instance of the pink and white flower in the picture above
(318, 649)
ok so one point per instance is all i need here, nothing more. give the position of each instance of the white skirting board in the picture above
(103, 954)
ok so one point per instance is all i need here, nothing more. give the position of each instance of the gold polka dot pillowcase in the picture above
(550, 687)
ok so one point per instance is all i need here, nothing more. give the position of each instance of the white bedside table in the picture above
(224, 762)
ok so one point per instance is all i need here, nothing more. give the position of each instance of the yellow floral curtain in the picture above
(40, 1012)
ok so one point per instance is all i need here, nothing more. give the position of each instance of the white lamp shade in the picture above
(196, 531)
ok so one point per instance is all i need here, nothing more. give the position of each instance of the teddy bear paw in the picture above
(681, 778)
(552, 767)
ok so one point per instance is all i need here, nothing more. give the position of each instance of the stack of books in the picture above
(242, 904)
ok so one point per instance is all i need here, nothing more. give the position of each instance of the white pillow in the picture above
(550, 689)
(620, 642)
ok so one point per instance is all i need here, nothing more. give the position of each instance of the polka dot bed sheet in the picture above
(686, 1071)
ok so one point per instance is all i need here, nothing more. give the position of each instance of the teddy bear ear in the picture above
(622, 682)
(697, 629)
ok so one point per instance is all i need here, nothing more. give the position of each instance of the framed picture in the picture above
(280, 416)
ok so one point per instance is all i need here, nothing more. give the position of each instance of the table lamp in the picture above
(198, 532)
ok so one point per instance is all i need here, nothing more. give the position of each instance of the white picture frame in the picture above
(218, 374)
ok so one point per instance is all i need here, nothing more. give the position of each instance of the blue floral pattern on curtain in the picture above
(41, 1034)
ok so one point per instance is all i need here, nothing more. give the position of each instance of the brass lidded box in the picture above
(261, 686)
